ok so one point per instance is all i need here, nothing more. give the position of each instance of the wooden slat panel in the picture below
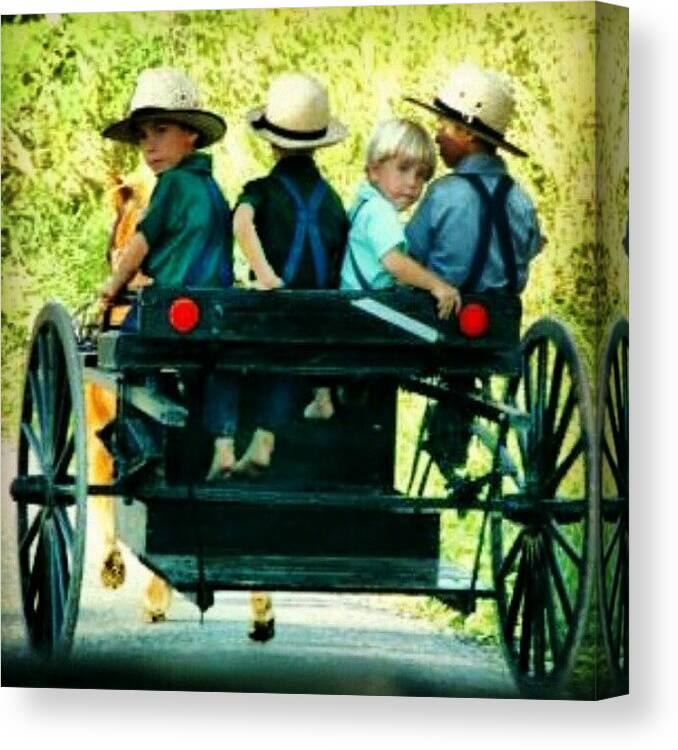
(315, 574)
(320, 317)
(116, 352)
(219, 528)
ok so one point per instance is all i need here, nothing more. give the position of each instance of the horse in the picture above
(129, 199)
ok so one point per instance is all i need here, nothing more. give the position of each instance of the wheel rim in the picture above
(613, 482)
(543, 536)
(52, 472)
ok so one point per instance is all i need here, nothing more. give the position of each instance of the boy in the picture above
(400, 160)
(185, 237)
(475, 226)
(290, 225)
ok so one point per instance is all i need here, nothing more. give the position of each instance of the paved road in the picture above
(335, 644)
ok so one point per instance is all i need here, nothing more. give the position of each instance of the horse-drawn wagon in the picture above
(330, 514)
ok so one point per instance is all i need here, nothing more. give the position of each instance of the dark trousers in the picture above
(279, 400)
(220, 404)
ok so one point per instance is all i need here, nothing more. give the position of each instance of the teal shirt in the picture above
(188, 228)
(375, 231)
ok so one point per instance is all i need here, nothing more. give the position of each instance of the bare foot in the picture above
(223, 459)
(320, 408)
(257, 457)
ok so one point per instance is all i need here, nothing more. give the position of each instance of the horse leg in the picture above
(100, 408)
(157, 599)
(263, 620)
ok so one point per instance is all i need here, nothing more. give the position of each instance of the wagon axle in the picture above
(42, 490)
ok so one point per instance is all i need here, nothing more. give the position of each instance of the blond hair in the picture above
(405, 139)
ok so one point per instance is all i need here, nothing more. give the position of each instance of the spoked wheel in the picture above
(543, 523)
(613, 455)
(51, 485)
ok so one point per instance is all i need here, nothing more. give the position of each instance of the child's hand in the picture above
(139, 281)
(448, 298)
(107, 294)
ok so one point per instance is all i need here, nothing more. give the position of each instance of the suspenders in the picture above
(360, 277)
(493, 213)
(195, 274)
(306, 226)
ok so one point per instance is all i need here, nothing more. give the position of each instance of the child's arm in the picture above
(129, 262)
(408, 271)
(248, 239)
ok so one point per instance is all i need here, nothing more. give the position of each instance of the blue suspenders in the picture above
(219, 230)
(306, 226)
(493, 213)
(360, 277)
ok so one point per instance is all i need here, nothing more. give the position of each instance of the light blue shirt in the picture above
(443, 233)
(375, 231)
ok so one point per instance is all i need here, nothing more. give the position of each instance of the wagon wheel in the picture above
(51, 485)
(613, 456)
(543, 533)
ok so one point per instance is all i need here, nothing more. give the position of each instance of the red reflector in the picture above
(184, 315)
(474, 320)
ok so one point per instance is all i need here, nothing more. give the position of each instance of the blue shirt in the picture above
(443, 233)
(375, 231)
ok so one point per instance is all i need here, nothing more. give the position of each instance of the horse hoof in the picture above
(262, 631)
(152, 617)
(113, 570)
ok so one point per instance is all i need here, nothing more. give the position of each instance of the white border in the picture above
(84, 719)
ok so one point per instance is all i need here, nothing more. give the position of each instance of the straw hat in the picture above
(297, 114)
(480, 100)
(167, 94)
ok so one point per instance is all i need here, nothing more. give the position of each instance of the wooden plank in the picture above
(219, 528)
(131, 521)
(127, 352)
(156, 405)
(250, 493)
(320, 317)
(299, 573)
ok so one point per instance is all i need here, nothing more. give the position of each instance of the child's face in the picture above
(164, 144)
(454, 142)
(401, 180)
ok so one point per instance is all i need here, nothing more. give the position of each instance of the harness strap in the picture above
(306, 226)
(493, 214)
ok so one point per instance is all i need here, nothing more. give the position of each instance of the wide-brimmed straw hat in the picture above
(167, 94)
(480, 100)
(297, 114)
